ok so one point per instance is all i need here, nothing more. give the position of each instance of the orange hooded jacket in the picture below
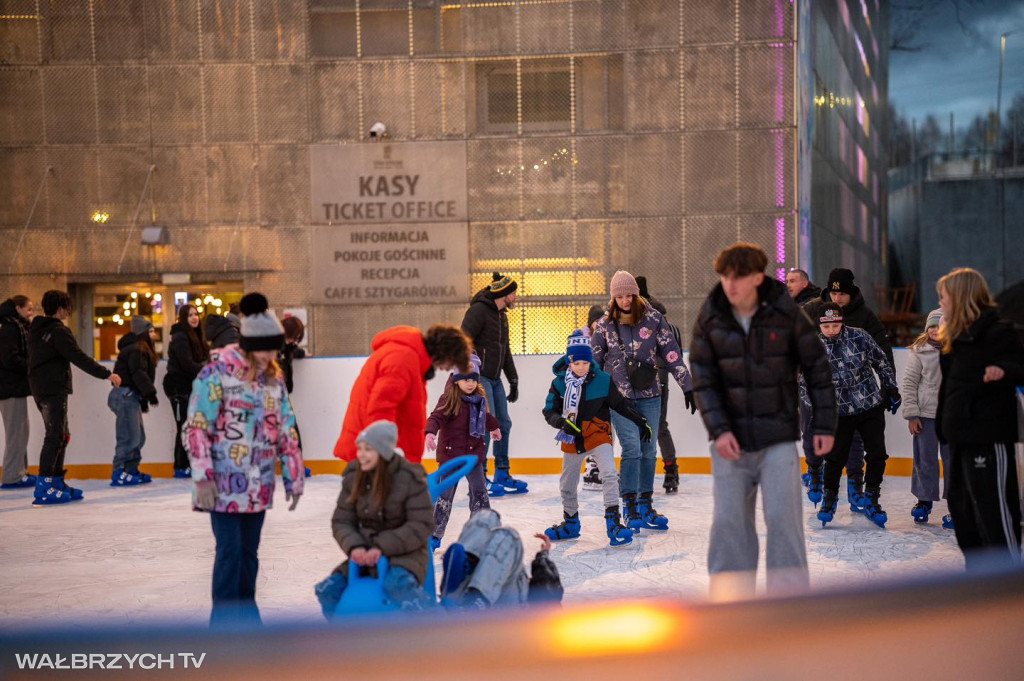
(390, 386)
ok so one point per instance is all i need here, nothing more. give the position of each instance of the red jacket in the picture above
(391, 386)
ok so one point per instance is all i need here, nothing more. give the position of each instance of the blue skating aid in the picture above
(922, 509)
(364, 594)
(567, 529)
(830, 500)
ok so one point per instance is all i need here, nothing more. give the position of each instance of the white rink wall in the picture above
(321, 393)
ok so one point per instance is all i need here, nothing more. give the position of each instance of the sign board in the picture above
(391, 263)
(386, 182)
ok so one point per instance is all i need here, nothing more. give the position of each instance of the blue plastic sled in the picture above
(365, 595)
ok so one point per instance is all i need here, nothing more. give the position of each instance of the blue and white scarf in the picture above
(571, 403)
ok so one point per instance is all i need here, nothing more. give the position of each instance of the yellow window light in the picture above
(99, 320)
(148, 294)
(100, 217)
(135, 295)
(157, 297)
(127, 305)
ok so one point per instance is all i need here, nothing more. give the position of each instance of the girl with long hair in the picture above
(458, 426)
(921, 381)
(239, 424)
(136, 365)
(186, 355)
(982, 361)
(383, 510)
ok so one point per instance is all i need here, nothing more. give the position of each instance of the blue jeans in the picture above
(235, 566)
(497, 403)
(131, 436)
(400, 588)
(639, 460)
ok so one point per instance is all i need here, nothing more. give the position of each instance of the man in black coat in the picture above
(800, 288)
(749, 342)
(51, 352)
(486, 324)
(15, 315)
(842, 291)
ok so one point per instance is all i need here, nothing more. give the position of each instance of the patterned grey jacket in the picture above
(855, 358)
(646, 342)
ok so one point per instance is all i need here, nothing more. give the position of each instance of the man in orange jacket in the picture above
(392, 385)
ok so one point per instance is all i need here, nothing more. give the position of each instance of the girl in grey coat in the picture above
(921, 382)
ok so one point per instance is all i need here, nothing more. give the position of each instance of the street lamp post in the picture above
(999, 91)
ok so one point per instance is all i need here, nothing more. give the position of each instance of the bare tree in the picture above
(910, 16)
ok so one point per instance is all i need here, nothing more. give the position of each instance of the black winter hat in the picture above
(840, 280)
(641, 283)
(595, 313)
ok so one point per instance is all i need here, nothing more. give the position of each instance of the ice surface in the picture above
(140, 555)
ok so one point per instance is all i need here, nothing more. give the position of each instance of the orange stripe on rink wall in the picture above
(687, 466)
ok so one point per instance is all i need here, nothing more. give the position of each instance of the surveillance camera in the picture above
(378, 130)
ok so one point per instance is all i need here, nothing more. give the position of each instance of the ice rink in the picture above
(127, 555)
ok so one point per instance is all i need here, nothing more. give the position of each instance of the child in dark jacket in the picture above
(855, 358)
(136, 365)
(579, 404)
(458, 426)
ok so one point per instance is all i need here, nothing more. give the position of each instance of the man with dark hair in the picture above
(800, 288)
(842, 291)
(52, 350)
(486, 324)
(15, 315)
(749, 342)
(392, 385)
(665, 442)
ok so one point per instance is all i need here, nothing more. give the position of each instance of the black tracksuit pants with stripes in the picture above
(984, 503)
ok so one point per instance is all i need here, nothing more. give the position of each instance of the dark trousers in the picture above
(984, 503)
(235, 566)
(870, 425)
(854, 461)
(665, 443)
(179, 408)
(54, 410)
(477, 500)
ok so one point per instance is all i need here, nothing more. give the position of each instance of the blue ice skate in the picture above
(947, 522)
(617, 533)
(806, 478)
(872, 509)
(508, 483)
(922, 509)
(829, 502)
(122, 478)
(855, 494)
(651, 518)
(26, 481)
(569, 528)
(51, 491)
(814, 487)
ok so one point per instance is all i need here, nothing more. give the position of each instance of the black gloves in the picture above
(691, 403)
(152, 400)
(646, 434)
(513, 391)
(569, 428)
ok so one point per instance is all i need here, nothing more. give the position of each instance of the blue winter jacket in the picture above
(855, 358)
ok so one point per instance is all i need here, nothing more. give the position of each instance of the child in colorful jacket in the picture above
(579, 404)
(855, 358)
(239, 423)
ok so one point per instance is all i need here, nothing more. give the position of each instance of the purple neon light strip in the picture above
(780, 156)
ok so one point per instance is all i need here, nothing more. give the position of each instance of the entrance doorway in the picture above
(114, 305)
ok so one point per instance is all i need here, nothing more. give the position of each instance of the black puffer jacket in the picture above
(747, 383)
(857, 315)
(183, 364)
(51, 352)
(970, 410)
(136, 368)
(487, 327)
(220, 332)
(13, 352)
(808, 294)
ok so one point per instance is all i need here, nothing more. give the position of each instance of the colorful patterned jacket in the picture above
(648, 341)
(236, 430)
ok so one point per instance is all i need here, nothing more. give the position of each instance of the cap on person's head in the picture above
(840, 280)
(501, 286)
(472, 375)
(260, 330)
(382, 437)
(140, 325)
(934, 319)
(623, 284)
(594, 313)
(830, 314)
(578, 348)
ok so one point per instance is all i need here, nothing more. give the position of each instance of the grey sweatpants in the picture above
(733, 546)
(15, 415)
(569, 483)
(924, 480)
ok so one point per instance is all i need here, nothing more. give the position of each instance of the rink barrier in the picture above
(322, 386)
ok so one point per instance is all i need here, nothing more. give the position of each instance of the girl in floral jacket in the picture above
(627, 341)
(239, 423)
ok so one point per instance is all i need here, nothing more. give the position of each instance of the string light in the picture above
(100, 217)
